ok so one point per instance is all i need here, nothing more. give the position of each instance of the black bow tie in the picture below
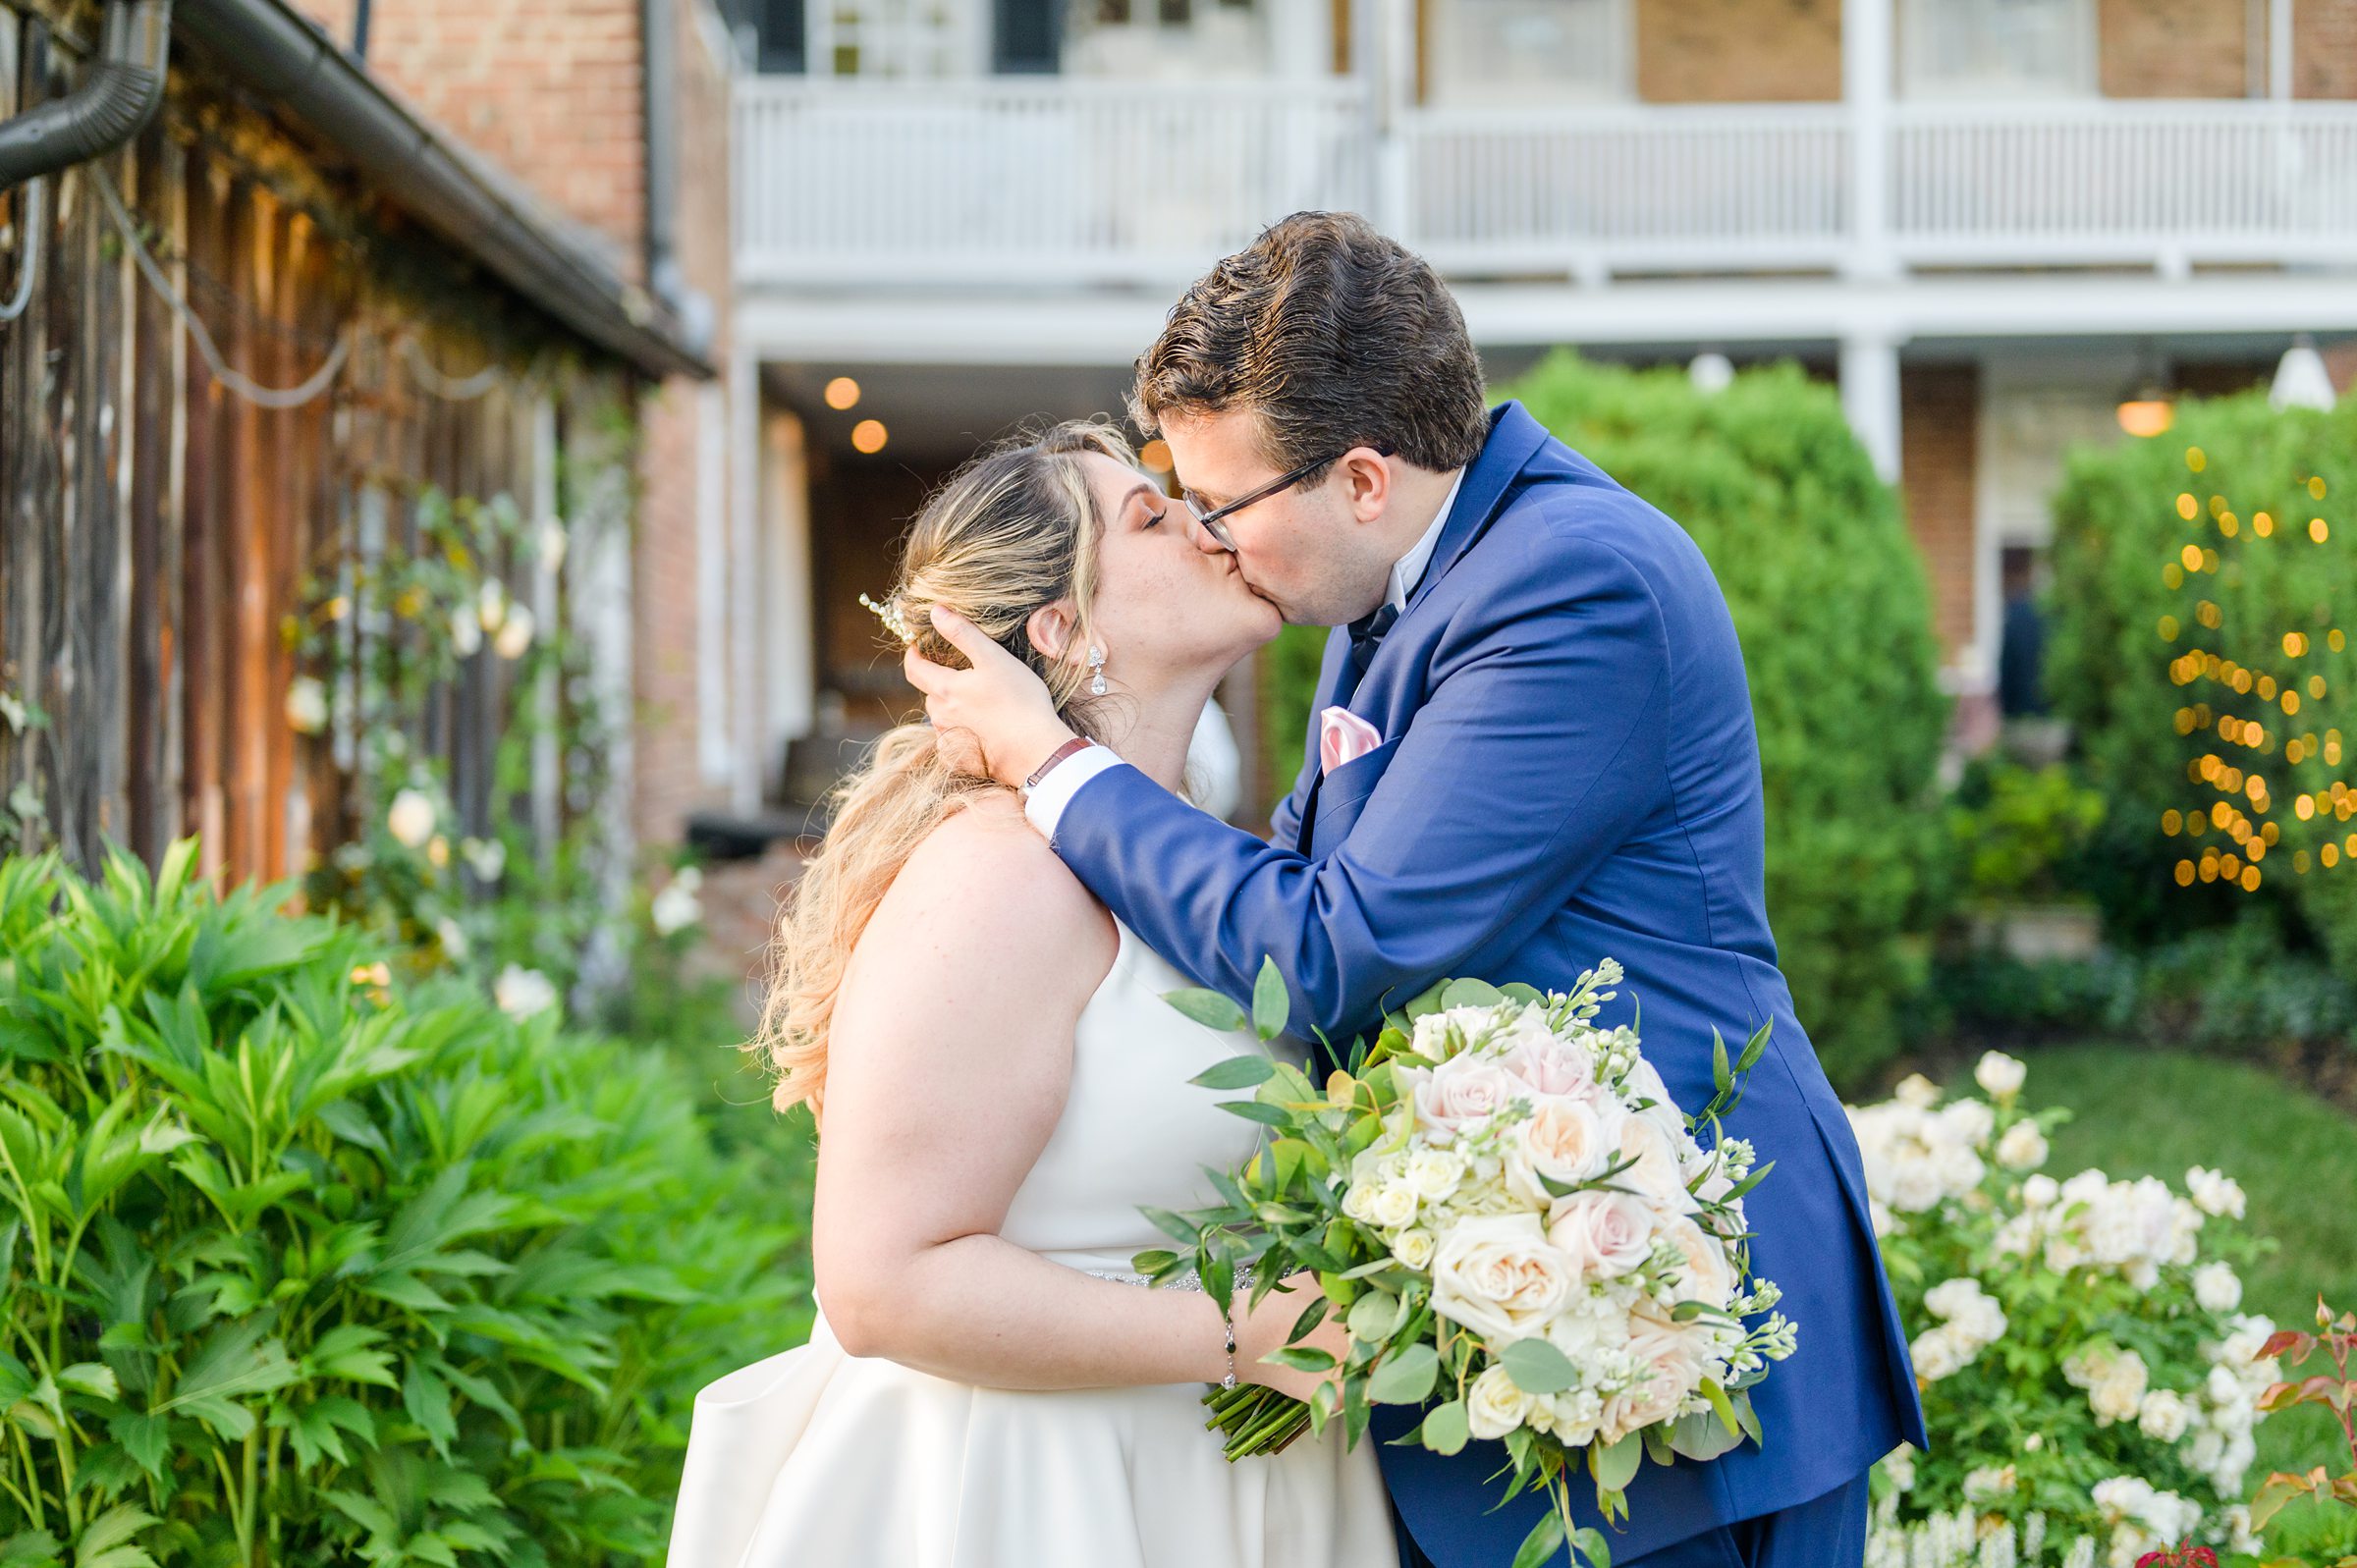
(1366, 633)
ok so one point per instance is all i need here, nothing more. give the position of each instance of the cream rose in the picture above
(1392, 1206)
(1710, 1277)
(1655, 1168)
(2000, 1075)
(1567, 1141)
(1670, 1367)
(2022, 1148)
(1604, 1234)
(1494, 1406)
(1458, 1094)
(1497, 1275)
(1551, 1066)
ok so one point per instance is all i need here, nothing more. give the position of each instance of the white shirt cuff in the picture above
(1045, 805)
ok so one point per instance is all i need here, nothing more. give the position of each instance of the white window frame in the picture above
(1921, 76)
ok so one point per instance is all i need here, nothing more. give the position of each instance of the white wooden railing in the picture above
(1031, 179)
(1013, 181)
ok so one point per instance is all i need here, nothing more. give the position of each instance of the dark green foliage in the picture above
(301, 1268)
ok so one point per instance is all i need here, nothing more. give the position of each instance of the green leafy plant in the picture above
(2017, 830)
(305, 1263)
(2336, 1340)
(1827, 591)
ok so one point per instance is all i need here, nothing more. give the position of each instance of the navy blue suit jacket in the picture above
(1568, 772)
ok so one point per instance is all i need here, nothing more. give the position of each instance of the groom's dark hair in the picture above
(1335, 336)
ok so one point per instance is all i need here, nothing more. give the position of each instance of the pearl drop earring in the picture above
(1096, 670)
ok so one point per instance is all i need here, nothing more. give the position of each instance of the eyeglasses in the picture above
(1211, 522)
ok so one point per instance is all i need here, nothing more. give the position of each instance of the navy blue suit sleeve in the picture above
(1540, 748)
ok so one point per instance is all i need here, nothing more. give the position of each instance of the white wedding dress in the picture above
(815, 1459)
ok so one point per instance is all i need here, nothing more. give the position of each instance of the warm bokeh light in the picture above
(2318, 530)
(2146, 416)
(1156, 455)
(842, 393)
(868, 436)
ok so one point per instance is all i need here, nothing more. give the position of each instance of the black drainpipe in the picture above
(115, 98)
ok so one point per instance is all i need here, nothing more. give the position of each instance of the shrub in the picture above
(2078, 1343)
(303, 1266)
(1828, 594)
(2200, 583)
(2019, 832)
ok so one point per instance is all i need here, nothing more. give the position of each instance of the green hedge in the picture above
(1828, 594)
(2146, 648)
(300, 1266)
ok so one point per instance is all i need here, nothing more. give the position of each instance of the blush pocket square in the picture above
(1343, 737)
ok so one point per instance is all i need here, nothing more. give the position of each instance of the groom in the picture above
(1534, 750)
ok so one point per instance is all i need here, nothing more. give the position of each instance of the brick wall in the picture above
(2173, 48)
(2324, 49)
(1738, 51)
(548, 89)
(1939, 412)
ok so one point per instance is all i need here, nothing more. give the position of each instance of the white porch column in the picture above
(1393, 60)
(1870, 398)
(1866, 70)
(743, 374)
(788, 615)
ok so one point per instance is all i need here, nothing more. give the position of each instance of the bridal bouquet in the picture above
(1520, 1227)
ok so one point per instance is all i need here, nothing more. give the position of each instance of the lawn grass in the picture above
(2142, 1112)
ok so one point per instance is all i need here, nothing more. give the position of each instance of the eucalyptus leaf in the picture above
(1471, 994)
(1271, 1006)
(1406, 1376)
(1236, 1073)
(1539, 1368)
(1541, 1544)
(1208, 1009)
(1446, 1428)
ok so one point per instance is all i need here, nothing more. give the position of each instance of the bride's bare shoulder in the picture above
(984, 887)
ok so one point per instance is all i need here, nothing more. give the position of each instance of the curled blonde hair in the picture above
(1012, 532)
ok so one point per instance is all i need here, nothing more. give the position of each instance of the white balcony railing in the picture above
(1030, 180)
(1016, 181)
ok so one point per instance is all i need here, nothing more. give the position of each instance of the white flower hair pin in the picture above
(890, 614)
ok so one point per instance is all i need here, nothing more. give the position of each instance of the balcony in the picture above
(1012, 183)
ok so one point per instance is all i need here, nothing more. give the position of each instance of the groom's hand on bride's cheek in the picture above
(996, 719)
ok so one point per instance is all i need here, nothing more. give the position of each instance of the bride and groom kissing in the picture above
(1533, 747)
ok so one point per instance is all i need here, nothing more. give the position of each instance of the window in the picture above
(1529, 51)
(1998, 48)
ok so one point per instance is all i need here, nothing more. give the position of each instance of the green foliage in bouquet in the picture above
(303, 1266)
(2085, 1369)
(1828, 594)
(1396, 1205)
(2205, 595)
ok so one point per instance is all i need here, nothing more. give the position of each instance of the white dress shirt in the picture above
(1044, 806)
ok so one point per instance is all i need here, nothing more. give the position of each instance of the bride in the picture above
(999, 1087)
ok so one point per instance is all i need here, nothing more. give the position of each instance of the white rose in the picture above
(2164, 1416)
(2039, 1192)
(2216, 1193)
(2000, 1075)
(465, 636)
(412, 818)
(676, 907)
(2022, 1148)
(491, 603)
(1899, 1468)
(1497, 1275)
(1434, 1173)
(1917, 1091)
(2215, 1288)
(1494, 1406)
(1358, 1202)
(1938, 1353)
(1987, 1482)
(1458, 1094)
(1413, 1248)
(307, 705)
(1393, 1206)
(1564, 1140)
(515, 634)
(521, 993)
(1603, 1234)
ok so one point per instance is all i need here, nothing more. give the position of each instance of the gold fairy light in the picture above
(2186, 873)
(2262, 524)
(2250, 879)
(2196, 460)
(2329, 856)
(2187, 507)
(2168, 628)
(2316, 486)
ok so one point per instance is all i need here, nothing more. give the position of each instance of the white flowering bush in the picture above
(2079, 1343)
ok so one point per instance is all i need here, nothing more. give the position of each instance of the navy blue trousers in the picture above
(1827, 1531)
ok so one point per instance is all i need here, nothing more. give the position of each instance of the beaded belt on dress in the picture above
(1187, 1279)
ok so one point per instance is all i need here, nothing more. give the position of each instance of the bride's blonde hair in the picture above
(1014, 530)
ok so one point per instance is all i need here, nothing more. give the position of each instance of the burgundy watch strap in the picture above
(1077, 743)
